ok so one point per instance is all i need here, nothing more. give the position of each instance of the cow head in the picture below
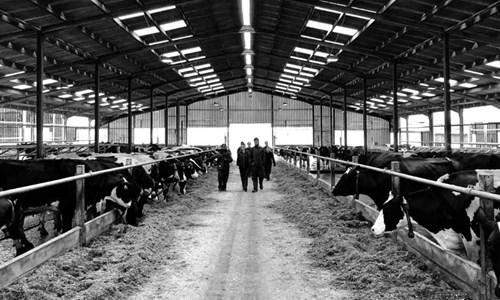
(347, 184)
(390, 217)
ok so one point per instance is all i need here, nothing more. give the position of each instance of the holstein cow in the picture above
(452, 218)
(112, 186)
(377, 185)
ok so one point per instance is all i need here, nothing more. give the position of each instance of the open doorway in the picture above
(239, 132)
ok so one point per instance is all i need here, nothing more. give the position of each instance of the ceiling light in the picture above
(171, 54)
(317, 62)
(312, 70)
(203, 66)
(249, 71)
(298, 58)
(321, 54)
(285, 80)
(209, 76)
(416, 97)
(427, 94)
(423, 84)
(287, 76)
(65, 96)
(310, 37)
(291, 71)
(248, 59)
(81, 98)
(197, 58)
(185, 70)
(377, 100)
(335, 43)
(412, 91)
(206, 71)
(453, 82)
(87, 91)
(195, 79)
(191, 50)
(306, 74)
(213, 80)
(178, 62)
(190, 74)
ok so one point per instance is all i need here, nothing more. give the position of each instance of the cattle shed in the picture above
(327, 65)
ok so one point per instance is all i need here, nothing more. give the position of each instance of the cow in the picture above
(116, 186)
(451, 217)
(377, 185)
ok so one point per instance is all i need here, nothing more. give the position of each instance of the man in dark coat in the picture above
(243, 162)
(223, 160)
(257, 159)
(269, 161)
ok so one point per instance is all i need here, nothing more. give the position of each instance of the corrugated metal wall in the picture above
(250, 109)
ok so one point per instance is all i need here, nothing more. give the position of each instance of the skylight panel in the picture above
(291, 71)
(190, 74)
(245, 7)
(14, 74)
(248, 59)
(427, 94)
(171, 54)
(293, 66)
(306, 74)
(165, 8)
(328, 10)
(302, 79)
(178, 62)
(377, 100)
(317, 62)
(416, 97)
(345, 30)
(319, 25)
(214, 85)
(310, 37)
(195, 79)
(182, 37)
(81, 98)
(321, 54)
(146, 31)
(282, 84)
(281, 87)
(209, 76)
(130, 16)
(213, 80)
(202, 66)
(191, 50)
(298, 58)
(197, 58)
(248, 71)
(335, 43)
(65, 96)
(298, 83)
(88, 91)
(287, 76)
(423, 84)
(473, 72)
(495, 64)
(217, 88)
(119, 101)
(468, 85)
(310, 70)
(206, 71)
(453, 82)
(173, 25)
(247, 39)
(185, 70)
(412, 91)
(304, 50)
(285, 80)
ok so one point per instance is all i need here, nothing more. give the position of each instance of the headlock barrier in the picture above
(80, 235)
(478, 281)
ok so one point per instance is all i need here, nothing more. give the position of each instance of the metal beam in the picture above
(39, 95)
(345, 117)
(177, 123)
(166, 120)
(365, 133)
(129, 117)
(447, 100)
(151, 123)
(97, 103)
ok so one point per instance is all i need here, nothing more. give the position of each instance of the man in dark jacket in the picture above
(223, 160)
(269, 161)
(257, 159)
(243, 162)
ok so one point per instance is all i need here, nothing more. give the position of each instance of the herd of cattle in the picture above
(452, 218)
(128, 190)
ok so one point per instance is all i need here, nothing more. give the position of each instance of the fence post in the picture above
(80, 204)
(318, 167)
(332, 171)
(308, 164)
(355, 160)
(295, 159)
(486, 184)
(300, 161)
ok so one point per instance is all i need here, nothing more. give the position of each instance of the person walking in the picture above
(223, 160)
(269, 161)
(243, 162)
(257, 158)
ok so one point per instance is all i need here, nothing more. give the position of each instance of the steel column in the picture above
(129, 117)
(407, 130)
(321, 123)
(227, 104)
(447, 98)
(332, 132)
(461, 126)
(165, 117)
(187, 122)
(314, 133)
(365, 131)
(395, 116)
(273, 142)
(97, 103)
(39, 95)
(431, 129)
(177, 123)
(345, 116)
(151, 117)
